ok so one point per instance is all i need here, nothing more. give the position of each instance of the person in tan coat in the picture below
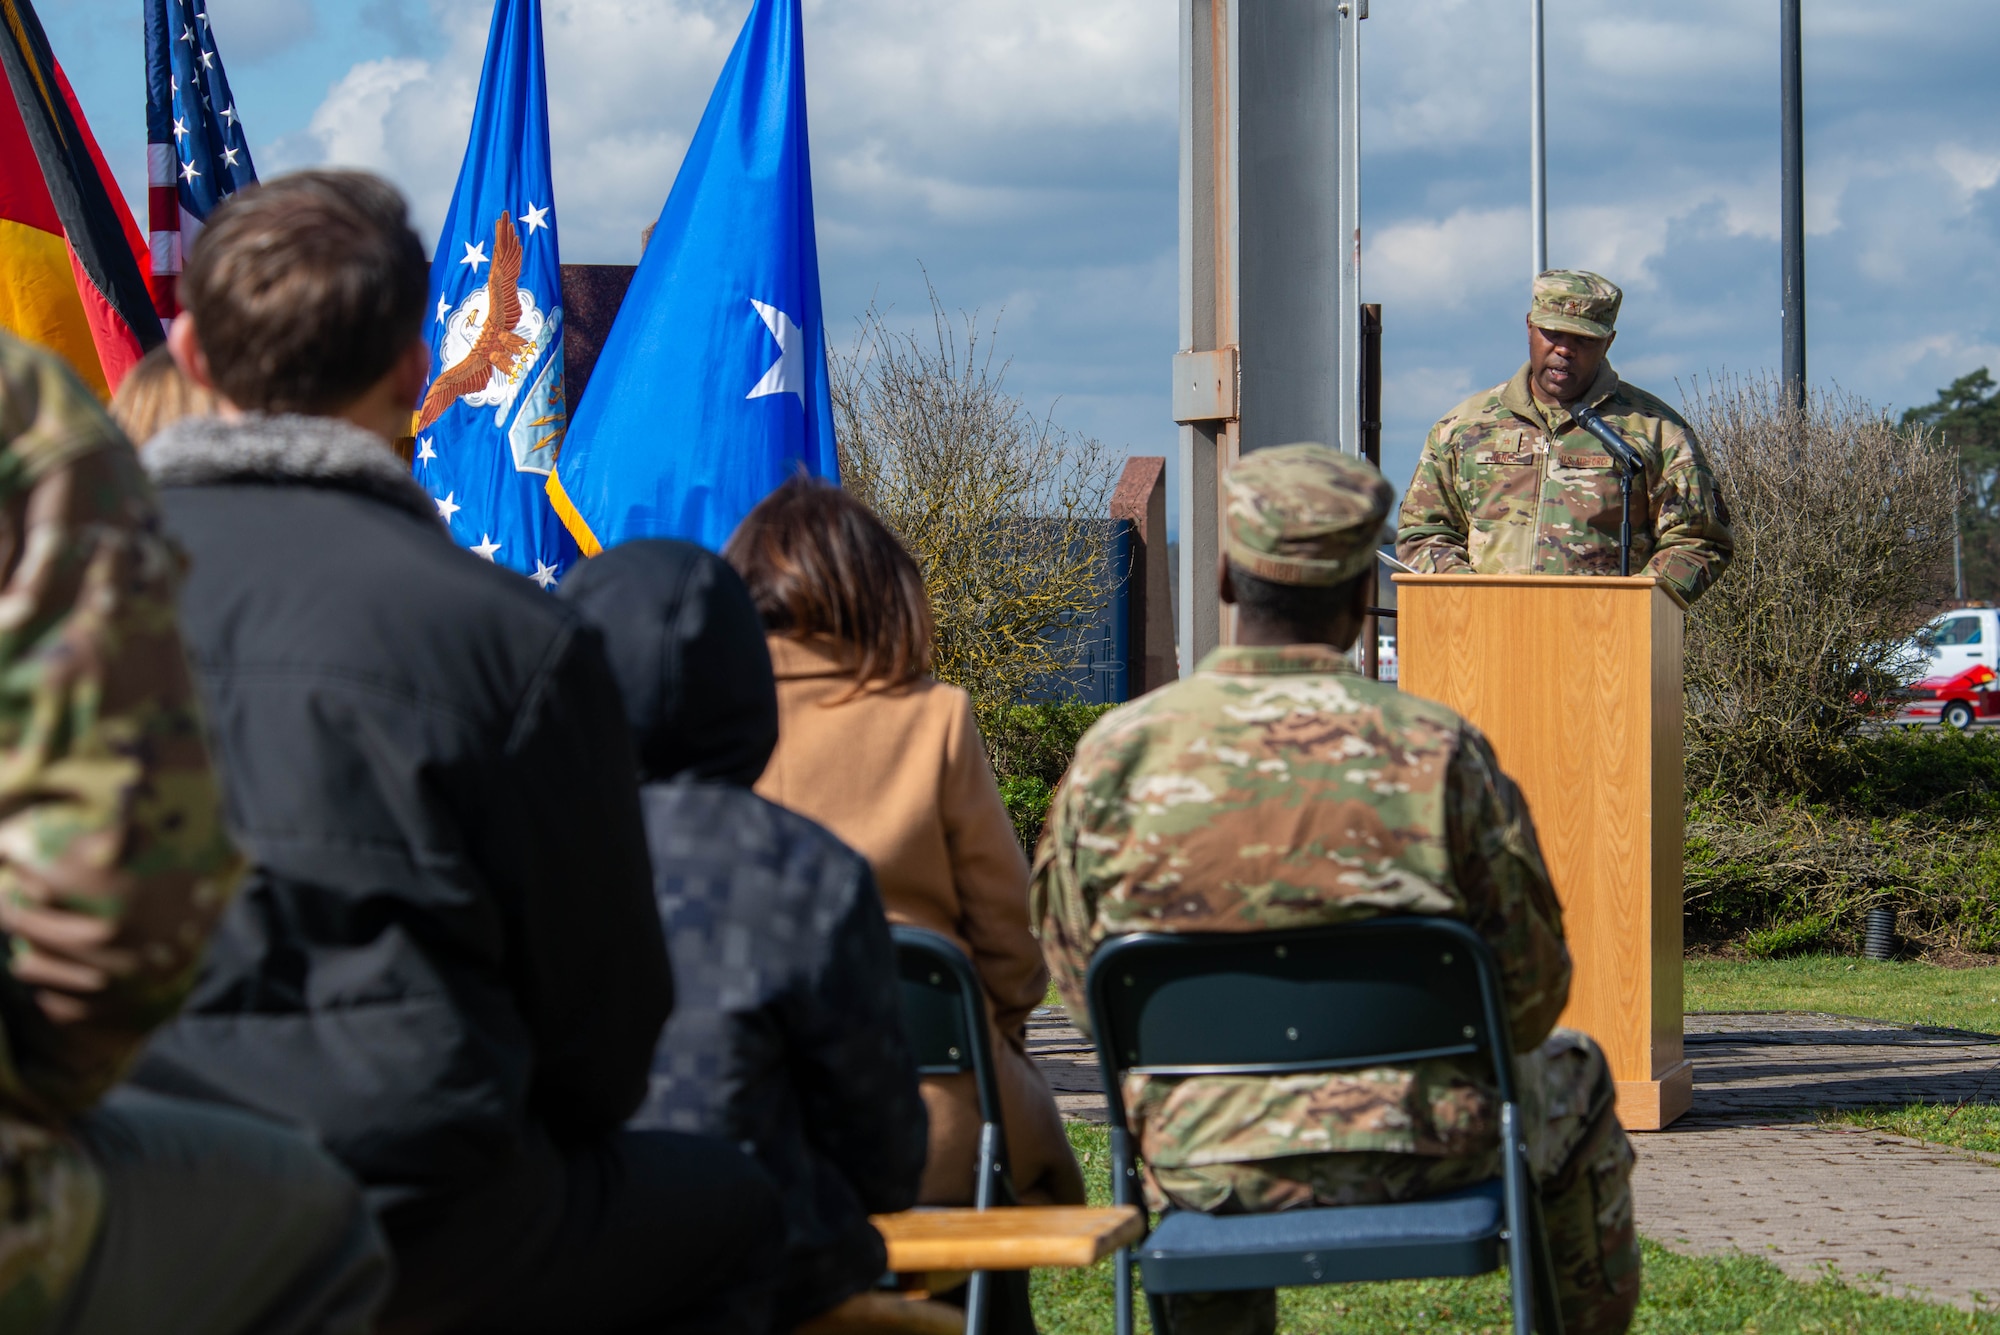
(890, 760)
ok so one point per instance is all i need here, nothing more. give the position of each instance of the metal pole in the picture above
(1538, 145)
(1957, 540)
(1793, 205)
(1371, 450)
(1348, 287)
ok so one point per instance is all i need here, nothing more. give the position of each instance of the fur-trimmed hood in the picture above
(283, 449)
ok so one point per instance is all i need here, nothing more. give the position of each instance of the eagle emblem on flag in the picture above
(491, 341)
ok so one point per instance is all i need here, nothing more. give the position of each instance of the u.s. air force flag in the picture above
(711, 388)
(493, 414)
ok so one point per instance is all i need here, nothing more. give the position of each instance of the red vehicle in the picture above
(1956, 701)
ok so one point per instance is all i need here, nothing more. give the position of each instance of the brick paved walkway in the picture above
(1068, 1062)
(1750, 1168)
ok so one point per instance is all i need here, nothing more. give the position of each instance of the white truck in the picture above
(1956, 680)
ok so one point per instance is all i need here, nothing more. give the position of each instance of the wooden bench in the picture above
(1023, 1237)
(934, 1251)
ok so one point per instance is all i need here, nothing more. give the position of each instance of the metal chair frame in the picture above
(1388, 991)
(949, 1037)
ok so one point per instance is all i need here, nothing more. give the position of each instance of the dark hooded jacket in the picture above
(788, 1033)
(446, 943)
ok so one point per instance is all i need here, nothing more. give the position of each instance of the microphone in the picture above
(1629, 464)
(1593, 421)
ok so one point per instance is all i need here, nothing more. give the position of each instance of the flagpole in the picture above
(1792, 202)
(1538, 147)
(1348, 280)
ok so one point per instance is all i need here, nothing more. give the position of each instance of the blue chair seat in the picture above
(1458, 1234)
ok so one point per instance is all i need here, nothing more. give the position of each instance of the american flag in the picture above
(196, 153)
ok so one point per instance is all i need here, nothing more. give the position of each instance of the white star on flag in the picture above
(534, 218)
(474, 255)
(180, 129)
(444, 308)
(229, 157)
(424, 451)
(187, 35)
(445, 508)
(486, 546)
(229, 113)
(545, 574)
(787, 374)
(188, 173)
(208, 60)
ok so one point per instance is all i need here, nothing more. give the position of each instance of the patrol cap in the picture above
(1575, 300)
(1304, 514)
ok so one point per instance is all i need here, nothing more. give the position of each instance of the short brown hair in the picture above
(154, 395)
(305, 290)
(821, 566)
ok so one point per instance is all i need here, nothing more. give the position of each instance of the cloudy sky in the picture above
(1023, 152)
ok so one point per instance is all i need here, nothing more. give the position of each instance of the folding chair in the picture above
(944, 1013)
(1388, 991)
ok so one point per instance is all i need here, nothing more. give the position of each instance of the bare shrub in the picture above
(1843, 526)
(1004, 511)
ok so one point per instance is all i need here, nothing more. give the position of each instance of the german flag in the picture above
(71, 275)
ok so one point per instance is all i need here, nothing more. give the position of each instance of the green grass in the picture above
(1971, 1126)
(1683, 1295)
(1905, 992)
(1901, 991)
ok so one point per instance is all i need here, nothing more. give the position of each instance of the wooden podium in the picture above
(1577, 682)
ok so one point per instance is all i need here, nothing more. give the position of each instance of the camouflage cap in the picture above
(1304, 514)
(1575, 300)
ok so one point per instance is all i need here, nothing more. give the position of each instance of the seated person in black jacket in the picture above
(445, 959)
(788, 1035)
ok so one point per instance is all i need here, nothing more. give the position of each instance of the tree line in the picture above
(1967, 416)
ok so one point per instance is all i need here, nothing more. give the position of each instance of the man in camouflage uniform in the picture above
(1278, 788)
(1510, 483)
(134, 1212)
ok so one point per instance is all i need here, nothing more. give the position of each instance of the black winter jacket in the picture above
(789, 1033)
(449, 929)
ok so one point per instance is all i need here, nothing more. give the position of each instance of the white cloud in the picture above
(352, 127)
(1024, 151)
(1622, 239)
(249, 30)
(1418, 85)
(955, 113)
(1644, 56)
(1447, 262)
(1026, 65)
(1440, 385)
(1971, 170)
(1943, 357)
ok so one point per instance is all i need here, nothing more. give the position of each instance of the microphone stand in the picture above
(1629, 463)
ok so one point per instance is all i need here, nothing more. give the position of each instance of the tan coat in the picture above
(902, 778)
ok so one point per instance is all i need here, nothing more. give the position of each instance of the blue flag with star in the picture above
(492, 417)
(711, 387)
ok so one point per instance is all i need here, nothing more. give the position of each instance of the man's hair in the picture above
(821, 566)
(1292, 604)
(304, 291)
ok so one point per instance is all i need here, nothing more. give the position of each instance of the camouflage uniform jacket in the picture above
(113, 859)
(1277, 788)
(1509, 486)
